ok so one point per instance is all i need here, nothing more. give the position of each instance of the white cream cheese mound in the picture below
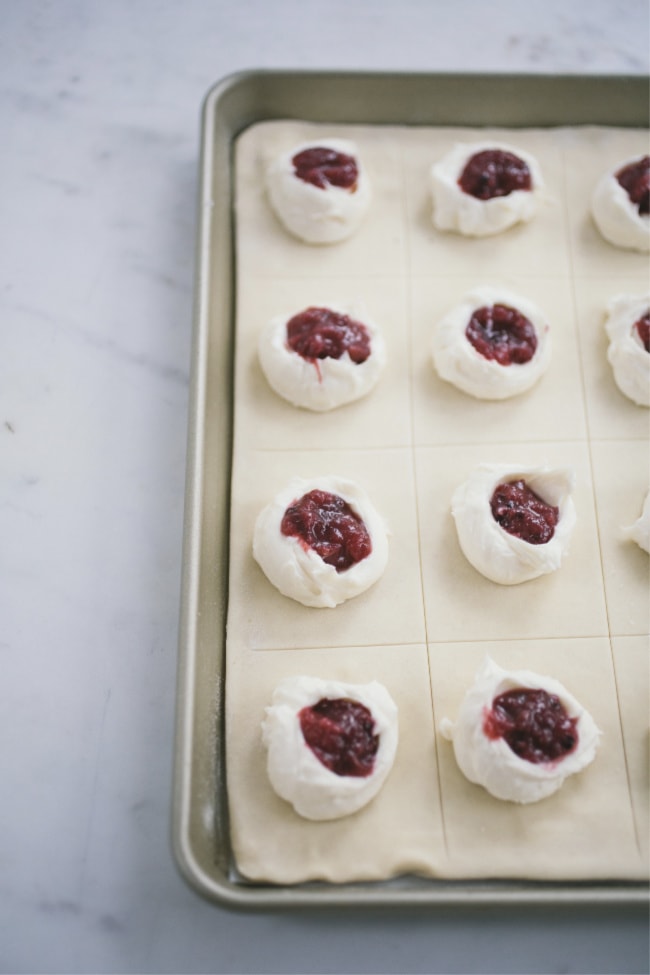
(457, 361)
(295, 772)
(616, 216)
(297, 570)
(494, 552)
(320, 384)
(313, 214)
(455, 210)
(627, 356)
(490, 762)
(639, 532)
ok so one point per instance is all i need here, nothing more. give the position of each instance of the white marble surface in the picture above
(99, 106)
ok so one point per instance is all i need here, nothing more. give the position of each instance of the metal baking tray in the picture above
(200, 815)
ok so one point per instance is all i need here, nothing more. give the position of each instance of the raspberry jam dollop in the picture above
(635, 180)
(642, 327)
(522, 513)
(533, 723)
(494, 172)
(322, 167)
(341, 734)
(320, 333)
(327, 524)
(503, 334)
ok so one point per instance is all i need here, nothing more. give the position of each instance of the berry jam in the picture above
(533, 723)
(494, 172)
(635, 180)
(503, 334)
(340, 732)
(322, 167)
(642, 327)
(320, 333)
(327, 524)
(522, 513)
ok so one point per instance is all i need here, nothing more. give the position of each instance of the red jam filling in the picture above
(322, 167)
(503, 334)
(320, 333)
(522, 513)
(642, 327)
(341, 734)
(635, 180)
(533, 723)
(327, 524)
(494, 172)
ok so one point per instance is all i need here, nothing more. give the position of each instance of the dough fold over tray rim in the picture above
(200, 832)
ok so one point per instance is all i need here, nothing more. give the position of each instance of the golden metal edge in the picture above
(211, 880)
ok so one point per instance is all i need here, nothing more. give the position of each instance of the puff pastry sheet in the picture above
(424, 628)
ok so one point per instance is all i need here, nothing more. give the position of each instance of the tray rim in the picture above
(229, 106)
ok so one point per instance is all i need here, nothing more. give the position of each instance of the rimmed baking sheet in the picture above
(201, 828)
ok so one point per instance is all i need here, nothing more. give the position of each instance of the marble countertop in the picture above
(100, 109)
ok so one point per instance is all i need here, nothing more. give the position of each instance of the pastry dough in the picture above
(455, 210)
(457, 361)
(297, 775)
(410, 443)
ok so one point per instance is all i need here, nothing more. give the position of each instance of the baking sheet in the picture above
(201, 831)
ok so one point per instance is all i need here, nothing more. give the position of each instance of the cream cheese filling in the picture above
(313, 214)
(326, 383)
(455, 210)
(616, 217)
(491, 762)
(457, 361)
(494, 552)
(297, 774)
(297, 570)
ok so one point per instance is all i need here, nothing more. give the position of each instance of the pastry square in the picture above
(461, 604)
(537, 247)
(400, 831)
(266, 248)
(551, 410)
(391, 611)
(589, 153)
(586, 829)
(382, 418)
